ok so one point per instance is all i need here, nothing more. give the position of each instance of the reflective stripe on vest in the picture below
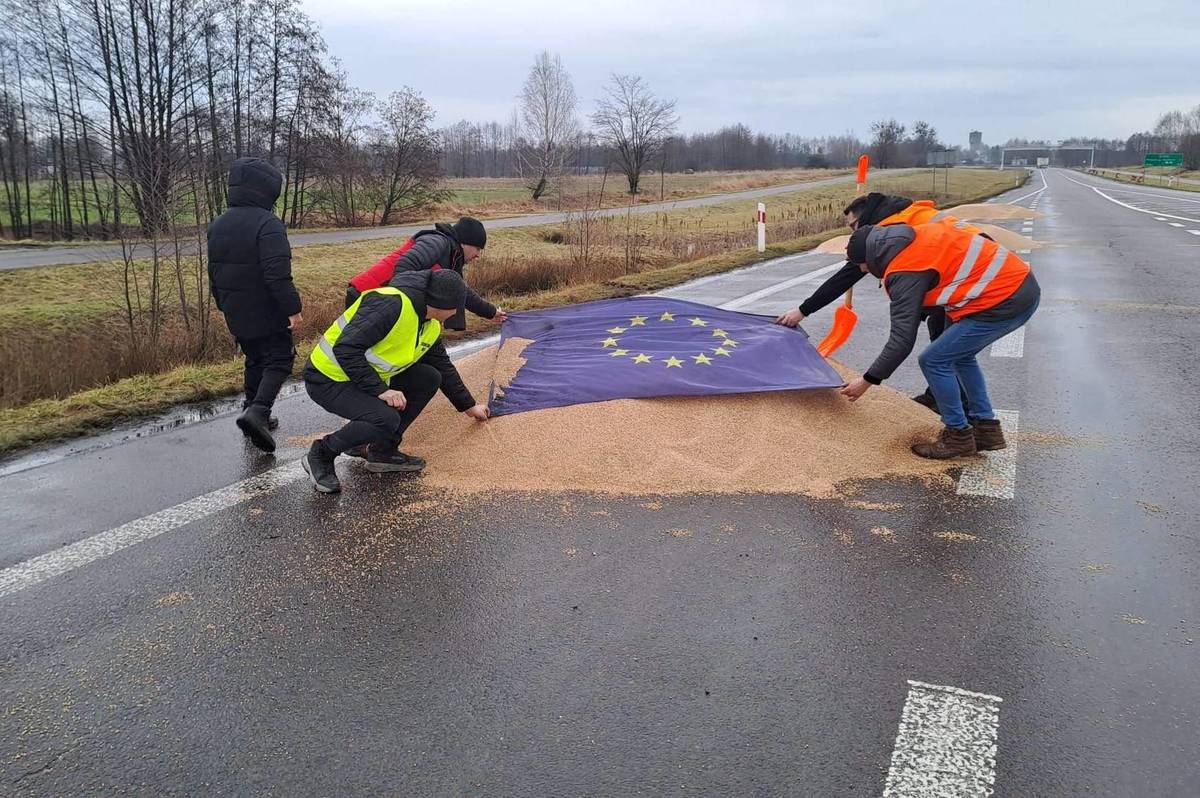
(974, 273)
(405, 344)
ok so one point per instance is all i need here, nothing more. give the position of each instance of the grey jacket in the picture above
(907, 291)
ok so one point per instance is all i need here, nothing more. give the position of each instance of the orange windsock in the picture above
(864, 163)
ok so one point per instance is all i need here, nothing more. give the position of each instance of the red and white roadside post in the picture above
(762, 227)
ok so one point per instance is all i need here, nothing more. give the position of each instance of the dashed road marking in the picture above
(68, 558)
(1160, 218)
(946, 744)
(1011, 345)
(994, 474)
(1175, 224)
(1194, 232)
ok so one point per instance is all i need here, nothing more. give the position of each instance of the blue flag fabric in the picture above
(653, 346)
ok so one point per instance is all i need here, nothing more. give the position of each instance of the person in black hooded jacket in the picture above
(250, 276)
(446, 246)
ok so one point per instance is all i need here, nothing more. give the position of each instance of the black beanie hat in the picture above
(469, 230)
(446, 290)
(856, 250)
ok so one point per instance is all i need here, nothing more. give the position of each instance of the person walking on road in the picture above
(986, 291)
(250, 277)
(875, 209)
(378, 366)
(444, 247)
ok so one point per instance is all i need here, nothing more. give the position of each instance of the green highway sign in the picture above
(1163, 159)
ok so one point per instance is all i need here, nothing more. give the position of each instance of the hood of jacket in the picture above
(254, 182)
(885, 243)
(881, 206)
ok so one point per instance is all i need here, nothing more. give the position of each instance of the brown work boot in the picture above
(988, 435)
(949, 443)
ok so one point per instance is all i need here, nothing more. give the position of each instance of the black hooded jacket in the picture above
(376, 315)
(249, 258)
(440, 247)
(878, 207)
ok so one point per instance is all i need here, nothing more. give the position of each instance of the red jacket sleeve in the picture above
(381, 273)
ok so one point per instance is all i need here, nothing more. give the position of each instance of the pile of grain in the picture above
(784, 442)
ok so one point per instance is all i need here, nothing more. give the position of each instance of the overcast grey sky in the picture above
(1048, 69)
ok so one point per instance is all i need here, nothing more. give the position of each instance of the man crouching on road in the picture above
(378, 365)
(987, 292)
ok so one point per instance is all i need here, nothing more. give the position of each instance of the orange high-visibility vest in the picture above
(923, 212)
(975, 273)
(920, 212)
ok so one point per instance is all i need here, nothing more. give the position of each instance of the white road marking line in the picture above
(1175, 224)
(946, 745)
(1011, 345)
(1133, 207)
(68, 558)
(1159, 219)
(104, 544)
(1194, 232)
(1045, 185)
(994, 474)
(748, 299)
(1024, 251)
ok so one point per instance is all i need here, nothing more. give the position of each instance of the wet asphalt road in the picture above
(62, 255)
(569, 644)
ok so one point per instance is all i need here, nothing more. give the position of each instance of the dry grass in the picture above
(501, 196)
(72, 336)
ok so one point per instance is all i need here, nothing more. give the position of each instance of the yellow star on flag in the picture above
(667, 316)
(616, 330)
(717, 333)
(721, 351)
(618, 352)
(674, 362)
(729, 342)
(609, 342)
(702, 359)
(642, 358)
(637, 321)
(699, 323)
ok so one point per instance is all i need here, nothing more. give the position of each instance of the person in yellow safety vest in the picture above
(378, 366)
(987, 292)
(877, 209)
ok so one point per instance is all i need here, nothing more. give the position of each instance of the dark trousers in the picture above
(269, 362)
(373, 421)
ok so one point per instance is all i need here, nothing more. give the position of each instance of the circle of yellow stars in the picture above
(723, 345)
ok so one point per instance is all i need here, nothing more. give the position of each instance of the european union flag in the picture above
(652, 346)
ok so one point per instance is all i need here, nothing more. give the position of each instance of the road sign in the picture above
(1163, 159)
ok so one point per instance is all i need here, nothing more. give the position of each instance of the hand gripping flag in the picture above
(651, 346)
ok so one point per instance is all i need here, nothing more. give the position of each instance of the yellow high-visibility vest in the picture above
(405, 344)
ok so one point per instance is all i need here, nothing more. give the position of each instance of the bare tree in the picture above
(547, 123)
(408, 151)
(634, 123)
(888, 133)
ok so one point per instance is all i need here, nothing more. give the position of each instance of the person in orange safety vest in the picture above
(987, 292)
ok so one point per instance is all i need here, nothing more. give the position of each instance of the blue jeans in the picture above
(950, 361)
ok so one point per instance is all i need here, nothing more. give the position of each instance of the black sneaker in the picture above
(926, 399)
(381, 462)
(254, 424)
(359, 451)
(318, 463)
(272, 423)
